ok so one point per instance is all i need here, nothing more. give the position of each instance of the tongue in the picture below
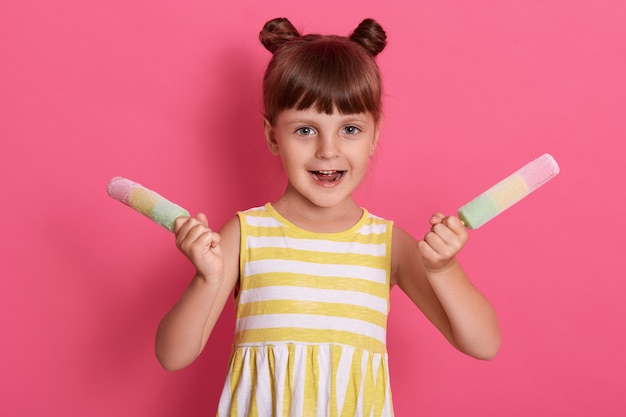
(328, 177)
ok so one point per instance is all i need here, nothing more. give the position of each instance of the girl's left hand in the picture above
(446, 238)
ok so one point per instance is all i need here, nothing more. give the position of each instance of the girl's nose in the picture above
(328, 148)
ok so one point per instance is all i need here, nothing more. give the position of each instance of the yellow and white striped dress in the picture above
(311, 309)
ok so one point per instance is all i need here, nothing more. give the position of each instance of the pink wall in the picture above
(167, 93)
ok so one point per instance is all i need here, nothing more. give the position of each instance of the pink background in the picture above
(167, 93)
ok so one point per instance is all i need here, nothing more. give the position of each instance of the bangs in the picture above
(325, 75)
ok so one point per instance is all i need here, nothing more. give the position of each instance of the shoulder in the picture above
(234, 227)
(374, 229)
(258, 216)
(231, 227)
(260, 211)
(372, 219)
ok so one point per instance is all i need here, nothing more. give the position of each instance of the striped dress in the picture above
(311, 312)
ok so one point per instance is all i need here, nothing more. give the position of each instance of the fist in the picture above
(200, 244)
(446, 238)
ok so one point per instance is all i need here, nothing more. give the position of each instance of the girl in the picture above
(312, 271)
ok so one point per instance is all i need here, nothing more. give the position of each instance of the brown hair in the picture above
(322, 71)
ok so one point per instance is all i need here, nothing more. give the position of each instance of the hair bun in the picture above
(276, 32)
(371, 36)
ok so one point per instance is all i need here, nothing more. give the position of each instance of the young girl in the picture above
(312, 271)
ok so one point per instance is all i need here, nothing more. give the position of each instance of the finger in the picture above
(457, 227)
(444, 241)
(434, 240)
(436, 218)
(216, 238)
(426, 250)
(444, 233)
(204, 237)
(454, 223)
(179, 222)
(189, 231)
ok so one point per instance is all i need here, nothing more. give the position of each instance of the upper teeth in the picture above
(326, 172)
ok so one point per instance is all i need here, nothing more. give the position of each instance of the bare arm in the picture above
(185, 329)
(428, 272)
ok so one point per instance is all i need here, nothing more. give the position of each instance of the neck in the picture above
(309, 216)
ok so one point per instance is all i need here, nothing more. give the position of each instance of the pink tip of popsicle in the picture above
(509, 191)
(119, 188)
(540, 171)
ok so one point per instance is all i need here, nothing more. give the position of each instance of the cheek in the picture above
(361, 162)
(366, 154)
(290, 161)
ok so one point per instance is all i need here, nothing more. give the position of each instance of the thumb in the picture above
(202, 217)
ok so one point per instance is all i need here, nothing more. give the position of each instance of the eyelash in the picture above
(301, 131)
(356, 129)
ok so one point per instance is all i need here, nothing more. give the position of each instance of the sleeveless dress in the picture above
(311, 320)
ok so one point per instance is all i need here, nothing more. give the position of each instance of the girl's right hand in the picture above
(200, 244)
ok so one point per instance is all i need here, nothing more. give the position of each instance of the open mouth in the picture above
(327, 176)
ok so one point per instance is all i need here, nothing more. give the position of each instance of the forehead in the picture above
(312, 115)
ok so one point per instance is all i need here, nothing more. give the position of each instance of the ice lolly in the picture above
(508, 191)
(146, 202)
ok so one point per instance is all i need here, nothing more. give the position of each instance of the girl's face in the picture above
(325, 157)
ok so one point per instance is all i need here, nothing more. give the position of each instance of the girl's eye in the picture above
(305, 131)
(351, 130)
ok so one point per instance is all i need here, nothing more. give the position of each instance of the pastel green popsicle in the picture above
(146, 202)
(508, 191)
